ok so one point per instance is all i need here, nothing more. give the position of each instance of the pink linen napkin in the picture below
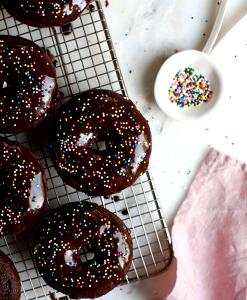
(210, 233)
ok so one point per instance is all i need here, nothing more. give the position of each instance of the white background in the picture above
(145, 33)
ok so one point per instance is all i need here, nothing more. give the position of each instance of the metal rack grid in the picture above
(85, 60)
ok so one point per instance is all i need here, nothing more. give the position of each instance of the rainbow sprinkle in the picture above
(189, 89)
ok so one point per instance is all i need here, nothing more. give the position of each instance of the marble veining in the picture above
(144, 35)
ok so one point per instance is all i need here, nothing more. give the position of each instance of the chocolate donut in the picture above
(100, 143)
(10, 285)
(23, 188)
(28, 87)
(45, 13)
(76, 226)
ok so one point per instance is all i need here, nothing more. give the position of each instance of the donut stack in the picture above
(99, 144)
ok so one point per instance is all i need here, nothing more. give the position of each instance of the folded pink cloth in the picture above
(210, 233)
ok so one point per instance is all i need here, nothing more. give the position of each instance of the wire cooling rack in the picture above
(85, 60)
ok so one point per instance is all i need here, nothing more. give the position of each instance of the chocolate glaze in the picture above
(67, 29)
(10, 285)
(46, 13)
(23, 188)
(116, 198)
(125, 212)
(52, 296)
(123, 136)
(68, 229)
(28, 87)
(91, 7)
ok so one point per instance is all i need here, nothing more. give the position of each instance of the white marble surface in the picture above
(144, 36)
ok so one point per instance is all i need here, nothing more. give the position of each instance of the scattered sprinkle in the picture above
(227, 138)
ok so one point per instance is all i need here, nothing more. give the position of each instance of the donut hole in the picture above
(85, 254)
(102, 144)
(99, 146)
(7, 87)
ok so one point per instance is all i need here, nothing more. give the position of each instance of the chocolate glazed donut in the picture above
(45, 13)
(72, 227)
(23, 188)
(10, 285)
(100, 143)
(28, 87)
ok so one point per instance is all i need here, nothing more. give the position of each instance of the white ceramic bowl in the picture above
(202, 64)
